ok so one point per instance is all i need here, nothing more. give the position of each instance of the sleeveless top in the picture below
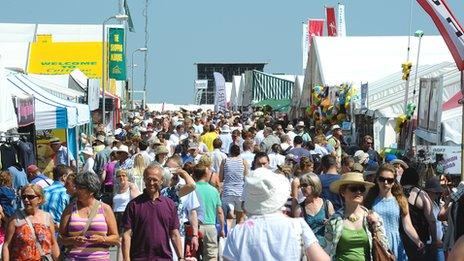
(418, 219)
(233, 177)
(317, 222)
(120, 200)
(88, 251)
(23, 245)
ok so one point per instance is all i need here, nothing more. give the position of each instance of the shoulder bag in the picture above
(379, 253)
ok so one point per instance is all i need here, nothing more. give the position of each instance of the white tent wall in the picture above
(234, 95)
(56, 85)
(176, 107)
(386, 96)
(358, 59)
(17, 33)
(386, 101)
(296, 95)
(228, 91)
(241, 90)
(452, 126)
(14, 55)
(8, 117)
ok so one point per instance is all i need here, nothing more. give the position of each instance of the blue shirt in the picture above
(56, 200)
(63, 156)
(19, 177)
(326, 180)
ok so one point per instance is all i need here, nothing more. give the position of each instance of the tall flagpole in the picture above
(145, 64)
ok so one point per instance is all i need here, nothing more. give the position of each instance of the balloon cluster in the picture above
(331, 110)
(403, 118)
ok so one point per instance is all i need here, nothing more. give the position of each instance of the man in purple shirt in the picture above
(150, 221)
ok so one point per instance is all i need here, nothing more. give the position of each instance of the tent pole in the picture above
(462, 127)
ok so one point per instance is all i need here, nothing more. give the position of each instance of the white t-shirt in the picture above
(248, 156)
(88, 166)
(189, 202)
(268, 237)
(275, 159)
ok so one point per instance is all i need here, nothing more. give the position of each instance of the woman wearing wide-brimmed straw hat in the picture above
(347, 232)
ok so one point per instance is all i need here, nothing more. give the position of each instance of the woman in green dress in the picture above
(347, 232)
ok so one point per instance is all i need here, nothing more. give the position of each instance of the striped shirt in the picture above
(98, 226)
(233, 177)
(56, 200)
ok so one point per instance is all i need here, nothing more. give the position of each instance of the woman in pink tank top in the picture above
(92, 243)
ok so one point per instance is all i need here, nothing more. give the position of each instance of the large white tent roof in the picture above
(369, 58)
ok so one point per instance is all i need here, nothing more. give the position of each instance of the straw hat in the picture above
(265, 192)
(123, 148)
(335, 127)
(87, 151)
(401, 162)
(225, 129)
(361, 157)
(161, 150)
(54, 140)
(349, 178)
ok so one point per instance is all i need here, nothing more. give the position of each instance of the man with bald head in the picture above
(150, 221)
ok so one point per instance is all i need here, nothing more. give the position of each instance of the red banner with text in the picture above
(331, 22)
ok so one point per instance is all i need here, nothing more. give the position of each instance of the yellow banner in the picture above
(47, 57)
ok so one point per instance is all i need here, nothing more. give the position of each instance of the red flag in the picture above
(449, 28)
(316, 28)
(331, 22)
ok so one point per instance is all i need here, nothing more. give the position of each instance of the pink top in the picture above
(109, 168)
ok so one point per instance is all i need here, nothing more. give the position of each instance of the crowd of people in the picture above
(235, 186)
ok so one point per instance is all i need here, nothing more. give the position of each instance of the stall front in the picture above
(54, 117)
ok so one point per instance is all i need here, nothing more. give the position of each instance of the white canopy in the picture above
(386, 96)
(49, 108)
(8, 118)
(356, 59)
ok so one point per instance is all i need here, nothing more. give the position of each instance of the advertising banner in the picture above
(364, 92)
(220, 100)
(449, 28)
(305, 44)
(49, 58)
(430, 101)
(316, 28)
(117, 61)
(25, 111)
(331, 22)
(447, 158)
(341, 32)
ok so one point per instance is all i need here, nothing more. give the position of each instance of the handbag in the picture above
(43, 256)
(379, 253)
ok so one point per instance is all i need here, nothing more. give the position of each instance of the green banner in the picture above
(117, 61)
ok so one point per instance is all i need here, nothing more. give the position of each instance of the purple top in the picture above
(151, 223)
(109, 167)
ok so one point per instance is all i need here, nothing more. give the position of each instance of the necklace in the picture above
(353, 218)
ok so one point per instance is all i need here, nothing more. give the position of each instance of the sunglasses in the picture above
(356, 188)
(389, 180)
(30, 197)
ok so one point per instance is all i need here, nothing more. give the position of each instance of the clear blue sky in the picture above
(188, 31)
